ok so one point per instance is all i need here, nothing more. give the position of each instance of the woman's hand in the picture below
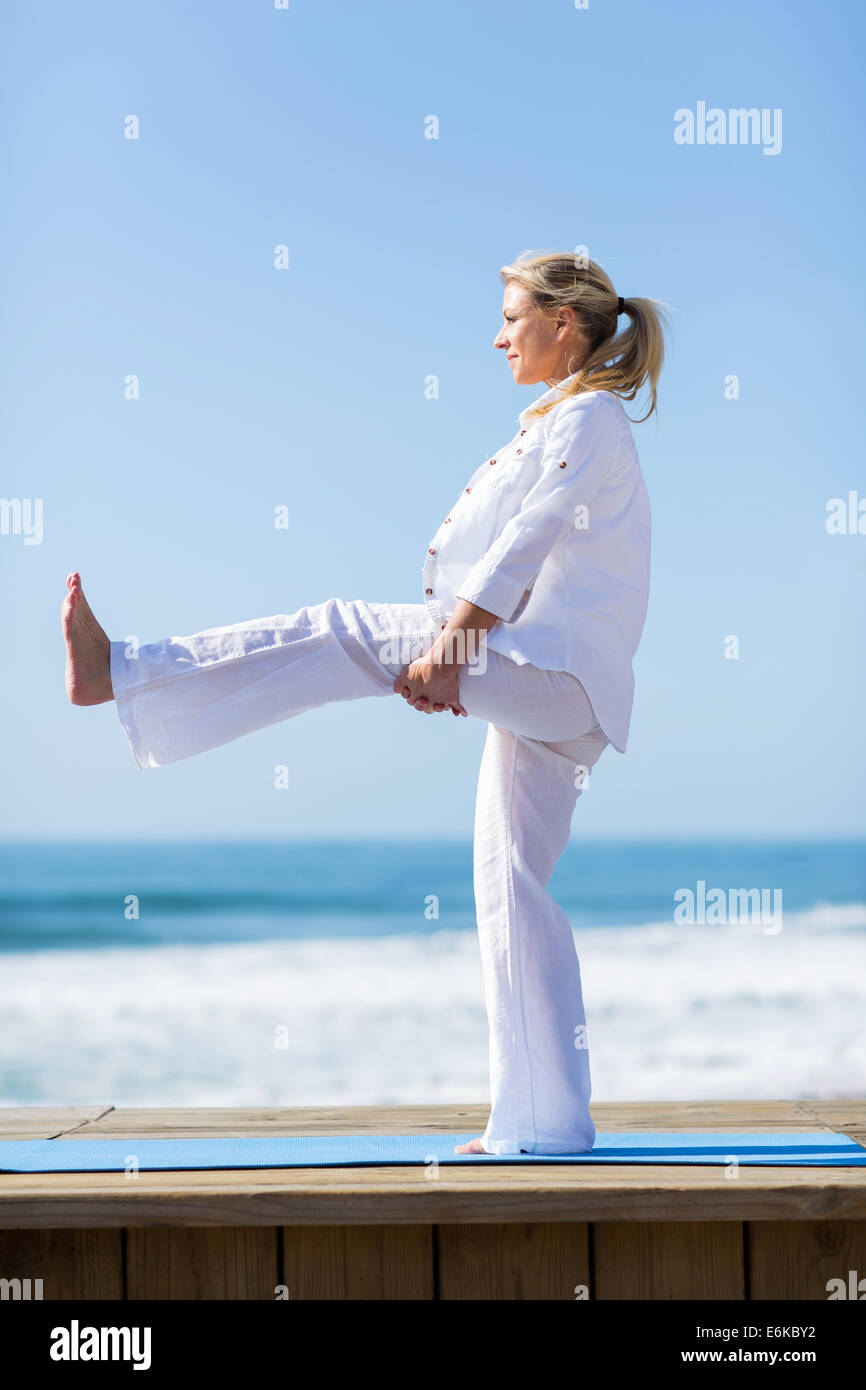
(430, 688)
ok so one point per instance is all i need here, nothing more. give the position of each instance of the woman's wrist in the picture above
(460, 640)
(447, 650)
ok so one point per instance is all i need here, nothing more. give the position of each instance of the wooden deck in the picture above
(501, 1232)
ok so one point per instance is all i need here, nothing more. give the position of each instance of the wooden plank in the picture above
(518, 1261)
(109, 1121)
(796, 1259)
(838, 1114)
(358, 1262)
(46, 1121)
(131, 1122)
(77, 1264)
(686, 1115)
(668, 1260)
(375, 1196)
(234, 1262)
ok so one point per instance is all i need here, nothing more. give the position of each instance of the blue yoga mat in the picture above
(812, 1148)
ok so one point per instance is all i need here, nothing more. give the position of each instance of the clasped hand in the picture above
(429, 688)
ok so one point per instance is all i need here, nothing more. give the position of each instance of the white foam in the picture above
(674, 1013)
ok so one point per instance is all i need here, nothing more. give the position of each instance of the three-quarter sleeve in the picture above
(577, 458)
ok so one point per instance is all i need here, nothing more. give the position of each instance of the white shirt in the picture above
(552, 534)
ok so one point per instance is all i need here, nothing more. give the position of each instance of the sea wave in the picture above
(674, 1012)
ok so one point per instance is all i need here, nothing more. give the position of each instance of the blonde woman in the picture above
(535, 591)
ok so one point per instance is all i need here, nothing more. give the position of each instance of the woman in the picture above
(535, 594)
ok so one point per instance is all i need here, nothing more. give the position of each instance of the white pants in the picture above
(183, 695)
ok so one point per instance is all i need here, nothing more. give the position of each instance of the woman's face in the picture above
(537, 348)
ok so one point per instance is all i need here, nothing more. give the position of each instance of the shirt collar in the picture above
(554, 393)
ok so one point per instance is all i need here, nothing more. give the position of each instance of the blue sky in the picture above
(305, 127)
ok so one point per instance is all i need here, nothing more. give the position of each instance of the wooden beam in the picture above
(72, 1264)
(232, 1262)
(362, 1263)
(668, 1260)
(522, 1261)
(794, 1260)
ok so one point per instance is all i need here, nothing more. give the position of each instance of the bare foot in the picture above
(473, 1147)
(88, 669)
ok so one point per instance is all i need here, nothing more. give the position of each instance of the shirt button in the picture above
(428, 591)
(562, 465)
(469, 489)
(446, 521)
(523, 431)
(443, 625)
(492, 461)
(431, 551)
(520, 451)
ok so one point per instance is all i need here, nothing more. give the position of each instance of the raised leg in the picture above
(183, 695)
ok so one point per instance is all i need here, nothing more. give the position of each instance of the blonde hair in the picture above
(621, 363)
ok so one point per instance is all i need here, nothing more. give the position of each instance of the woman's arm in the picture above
(577, 459)
(461, 637)
(430, 684)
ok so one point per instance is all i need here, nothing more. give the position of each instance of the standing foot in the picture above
(474, 1146)
(88, 666)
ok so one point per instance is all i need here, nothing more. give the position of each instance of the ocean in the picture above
(331, 972)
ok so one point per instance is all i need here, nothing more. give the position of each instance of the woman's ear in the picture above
(565, 319)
